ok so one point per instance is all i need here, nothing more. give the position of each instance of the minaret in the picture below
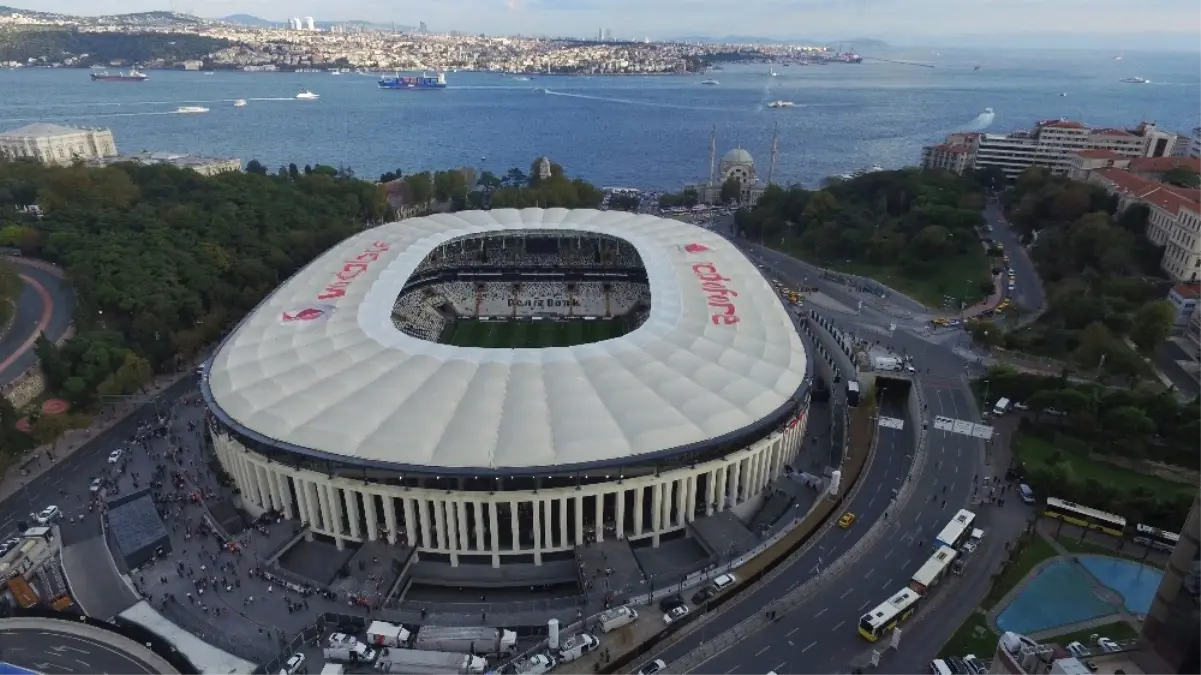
(712, 154)
(775, 150)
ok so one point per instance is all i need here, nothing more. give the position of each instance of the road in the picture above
(58, 647)
(45, 305)
(1028, 291)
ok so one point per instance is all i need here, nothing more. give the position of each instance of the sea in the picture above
(650, 132)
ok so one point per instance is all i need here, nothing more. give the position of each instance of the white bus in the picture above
(934, 569)
(886, 617)
(956, 531)
(1153, 537)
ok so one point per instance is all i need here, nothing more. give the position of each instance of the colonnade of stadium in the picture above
(501, 524)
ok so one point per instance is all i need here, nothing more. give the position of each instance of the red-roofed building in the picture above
(1174, 221)
(1156, 167)
(1053, 144)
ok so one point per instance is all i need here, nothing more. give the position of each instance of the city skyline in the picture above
(935, 22)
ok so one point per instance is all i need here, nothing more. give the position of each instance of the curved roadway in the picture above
(44, 306)
(57, 647)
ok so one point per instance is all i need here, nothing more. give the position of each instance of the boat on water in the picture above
(191, 109)
(420, 82)
(240, 103)
(989, 111)
(134, 75)
(771, 72)
(307, 95)
(521, 78)
(1136, 80)
(710, 82)
(781, 104)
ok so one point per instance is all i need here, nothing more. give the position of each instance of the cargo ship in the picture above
(423, 81)
(134, 75)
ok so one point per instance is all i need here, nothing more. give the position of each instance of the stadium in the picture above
(511, 383)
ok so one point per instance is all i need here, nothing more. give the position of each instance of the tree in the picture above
(48, 428)
(256, 167)
(731, 190)
(1152, 325)
(1183, 176)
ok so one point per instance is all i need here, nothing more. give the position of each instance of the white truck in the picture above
(332, 669)
(615, 618)
(887, 363)
(384, 634)
(534, 665)
(482, 640)
(1001, 407)
(576, 646)
(417, 662)
(347, 649)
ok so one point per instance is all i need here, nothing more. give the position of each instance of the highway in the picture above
(57, 647)
(45, 305)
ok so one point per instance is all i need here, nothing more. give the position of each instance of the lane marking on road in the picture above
(811, 646)
(779, 666)
(821, 612)
(835, 629)
(886, 584)
(789, 633)
(731, 670)
(869, 573)
(864, 605)
(762, 650)
(888, 554)
(845, 594)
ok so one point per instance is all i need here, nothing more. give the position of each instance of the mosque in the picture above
(739, 164)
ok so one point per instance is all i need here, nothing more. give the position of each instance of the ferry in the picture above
(307, 95)
(240, 103)
(710, 82)
(134, 75)
(413, 83)
(1136, 80)
(781, 104)
(191, 109)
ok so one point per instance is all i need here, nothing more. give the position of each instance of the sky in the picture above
(964, 22)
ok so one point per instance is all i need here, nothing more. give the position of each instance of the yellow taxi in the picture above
(846, 520)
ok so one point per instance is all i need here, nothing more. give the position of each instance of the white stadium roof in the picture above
(350, 386)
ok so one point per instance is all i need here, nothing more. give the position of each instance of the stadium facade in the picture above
(425, 383)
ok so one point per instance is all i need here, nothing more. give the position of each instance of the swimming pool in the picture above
(1136, 583)
(1059, 595)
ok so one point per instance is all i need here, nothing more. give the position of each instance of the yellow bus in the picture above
(892, 612)
(1083, 516)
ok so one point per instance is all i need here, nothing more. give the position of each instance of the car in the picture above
(96, 485)
(704, 595)
(1107, 645)
(846, 520)
(675, 614)
(48, 515)
(294, 664)
(652, 667)
(724, 581)
(670, 602)
(115, 456)
(970, 546)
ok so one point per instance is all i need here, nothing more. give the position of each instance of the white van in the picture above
(616, 618)
(1001, 407)
(940, 667)
(1027, 493)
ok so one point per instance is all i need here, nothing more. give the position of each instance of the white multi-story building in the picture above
(57, 144)
(309, 24)
(206, 166)
(294, 23)
(1049, 144)
(1184, 299)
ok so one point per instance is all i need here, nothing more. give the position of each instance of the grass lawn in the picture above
(1032, 550)
(1118, 630)
(955, 277)
(1038, 452)
(973, 637)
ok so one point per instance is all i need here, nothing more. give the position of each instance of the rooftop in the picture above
(44, 130)
(1099, 154)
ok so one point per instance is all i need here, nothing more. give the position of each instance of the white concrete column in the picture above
(621, 514)
(599, 497)
(579, 520)
(314, 498)
(352, 512)
(563, 522)
(285, 493)
(639, 505)
(302, 501)
(412, 524)
(515, 525)
(548, 526)
(478, 507)
(440, 525)
(656, 512)
(747, 470)
(669, 489)
(464, 534)
(243, 476)
(273, 484)
(327, 513)
(371, 516)
(710, 491)
(537, 506)
(388, 503)
(681, 489)
(494, 532)
(423, 510)
(753, 474)
(734, 470)
(258, 493)
(335, 503)
(452, 530)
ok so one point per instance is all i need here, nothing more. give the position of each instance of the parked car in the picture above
(675, 614)
(846, 520)
(96, 485)
(115, 456)
(671, 601)
(652, 667)
(48, 515)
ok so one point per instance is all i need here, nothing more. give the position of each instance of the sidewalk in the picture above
(31, 465)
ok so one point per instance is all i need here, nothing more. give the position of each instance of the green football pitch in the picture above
(531, 334)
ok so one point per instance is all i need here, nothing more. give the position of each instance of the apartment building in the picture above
(1050, 144)
(1184, 300)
